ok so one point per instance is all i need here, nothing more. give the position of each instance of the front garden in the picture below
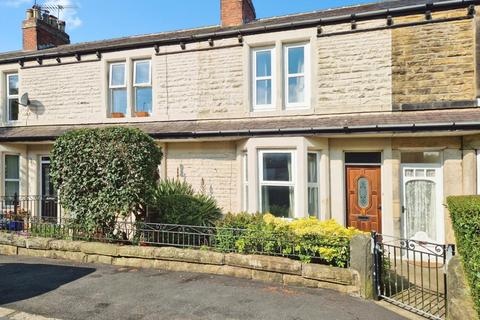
(110, 192)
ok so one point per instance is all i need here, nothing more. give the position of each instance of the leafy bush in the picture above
(175, 202)
(465, 213)
(307, 238)
(104, 174)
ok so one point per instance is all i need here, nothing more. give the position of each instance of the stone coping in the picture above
(257, 267)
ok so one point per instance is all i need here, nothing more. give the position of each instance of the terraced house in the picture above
(365, 114)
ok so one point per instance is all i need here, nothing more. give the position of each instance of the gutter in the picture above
(445, 5)
(381, 128)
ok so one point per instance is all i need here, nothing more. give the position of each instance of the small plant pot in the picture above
(117, 115)
(142, 114)
(15, 226)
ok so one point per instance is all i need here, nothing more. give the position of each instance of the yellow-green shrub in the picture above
(308, 239)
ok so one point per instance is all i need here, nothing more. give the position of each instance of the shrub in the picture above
(465, 213)
(175, 202)
(104, 174)
(308, 238)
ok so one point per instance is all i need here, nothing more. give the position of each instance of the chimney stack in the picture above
(42, 30)
(236, 12)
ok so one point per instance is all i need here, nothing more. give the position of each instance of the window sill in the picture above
(142, 114)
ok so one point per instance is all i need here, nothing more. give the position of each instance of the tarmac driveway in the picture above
(66, 290)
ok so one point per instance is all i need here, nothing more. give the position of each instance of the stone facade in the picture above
(363, 68)
(208, 166)
(434, 64)
(354, 73)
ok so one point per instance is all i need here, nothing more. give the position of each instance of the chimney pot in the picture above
(236, 12)
(42, 30)
(29, 14)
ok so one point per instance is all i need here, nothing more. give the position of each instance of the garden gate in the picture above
(411, 274)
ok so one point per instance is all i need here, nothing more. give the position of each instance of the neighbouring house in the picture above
(365, 114)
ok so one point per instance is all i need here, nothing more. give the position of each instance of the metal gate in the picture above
(411, 274)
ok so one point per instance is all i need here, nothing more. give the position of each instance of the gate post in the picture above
(376, 257)
(361, 261)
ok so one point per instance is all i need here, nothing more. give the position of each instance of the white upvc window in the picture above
(142, 83)
(118, 88)
(263, 71)
(313, 188)
(277, 182)
(297, 76)
(12, 96)
(12, 175)
(245, 180)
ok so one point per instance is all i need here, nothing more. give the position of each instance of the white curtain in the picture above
(420, 208)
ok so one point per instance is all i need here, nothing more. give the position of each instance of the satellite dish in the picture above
(24, 101)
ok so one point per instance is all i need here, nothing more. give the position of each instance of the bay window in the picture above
(313, 183)
(118, 89)
(12, 97)
(263, 79)
(143, 87)
(297, 65)
(12, 175)
(277, 183)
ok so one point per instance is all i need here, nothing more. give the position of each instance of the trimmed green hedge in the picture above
(104, 174)
(465, 213)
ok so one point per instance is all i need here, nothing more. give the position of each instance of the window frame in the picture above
(142, 84)
(5, 179)
(314, 184)
(266, 183)
(136, 85)
(112, 88)
(12, 97)
(110, 75)
(306, 76)
(263, 107)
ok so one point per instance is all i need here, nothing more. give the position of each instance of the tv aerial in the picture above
(52, 6)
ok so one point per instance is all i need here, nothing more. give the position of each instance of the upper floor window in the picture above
(297, 67)
(263, 84)
(12, 97)
(118, 89)
(143, 87)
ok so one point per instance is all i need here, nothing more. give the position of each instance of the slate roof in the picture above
(116, 44)
(414, 121)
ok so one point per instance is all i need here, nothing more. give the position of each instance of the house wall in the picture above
(369, 71)
(434, 63)
(216, 167)
(209, 166)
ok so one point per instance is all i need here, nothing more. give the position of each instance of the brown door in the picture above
(364, 210)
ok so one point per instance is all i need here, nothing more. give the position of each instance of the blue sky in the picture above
(103, 19)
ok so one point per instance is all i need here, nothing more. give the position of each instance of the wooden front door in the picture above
(364, 210)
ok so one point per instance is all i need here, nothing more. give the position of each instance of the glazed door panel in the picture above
(364, 201)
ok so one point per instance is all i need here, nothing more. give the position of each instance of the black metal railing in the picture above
(18, 207)
(412, 274)
(184, 236)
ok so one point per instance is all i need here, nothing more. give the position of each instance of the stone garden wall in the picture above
(263, 268)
